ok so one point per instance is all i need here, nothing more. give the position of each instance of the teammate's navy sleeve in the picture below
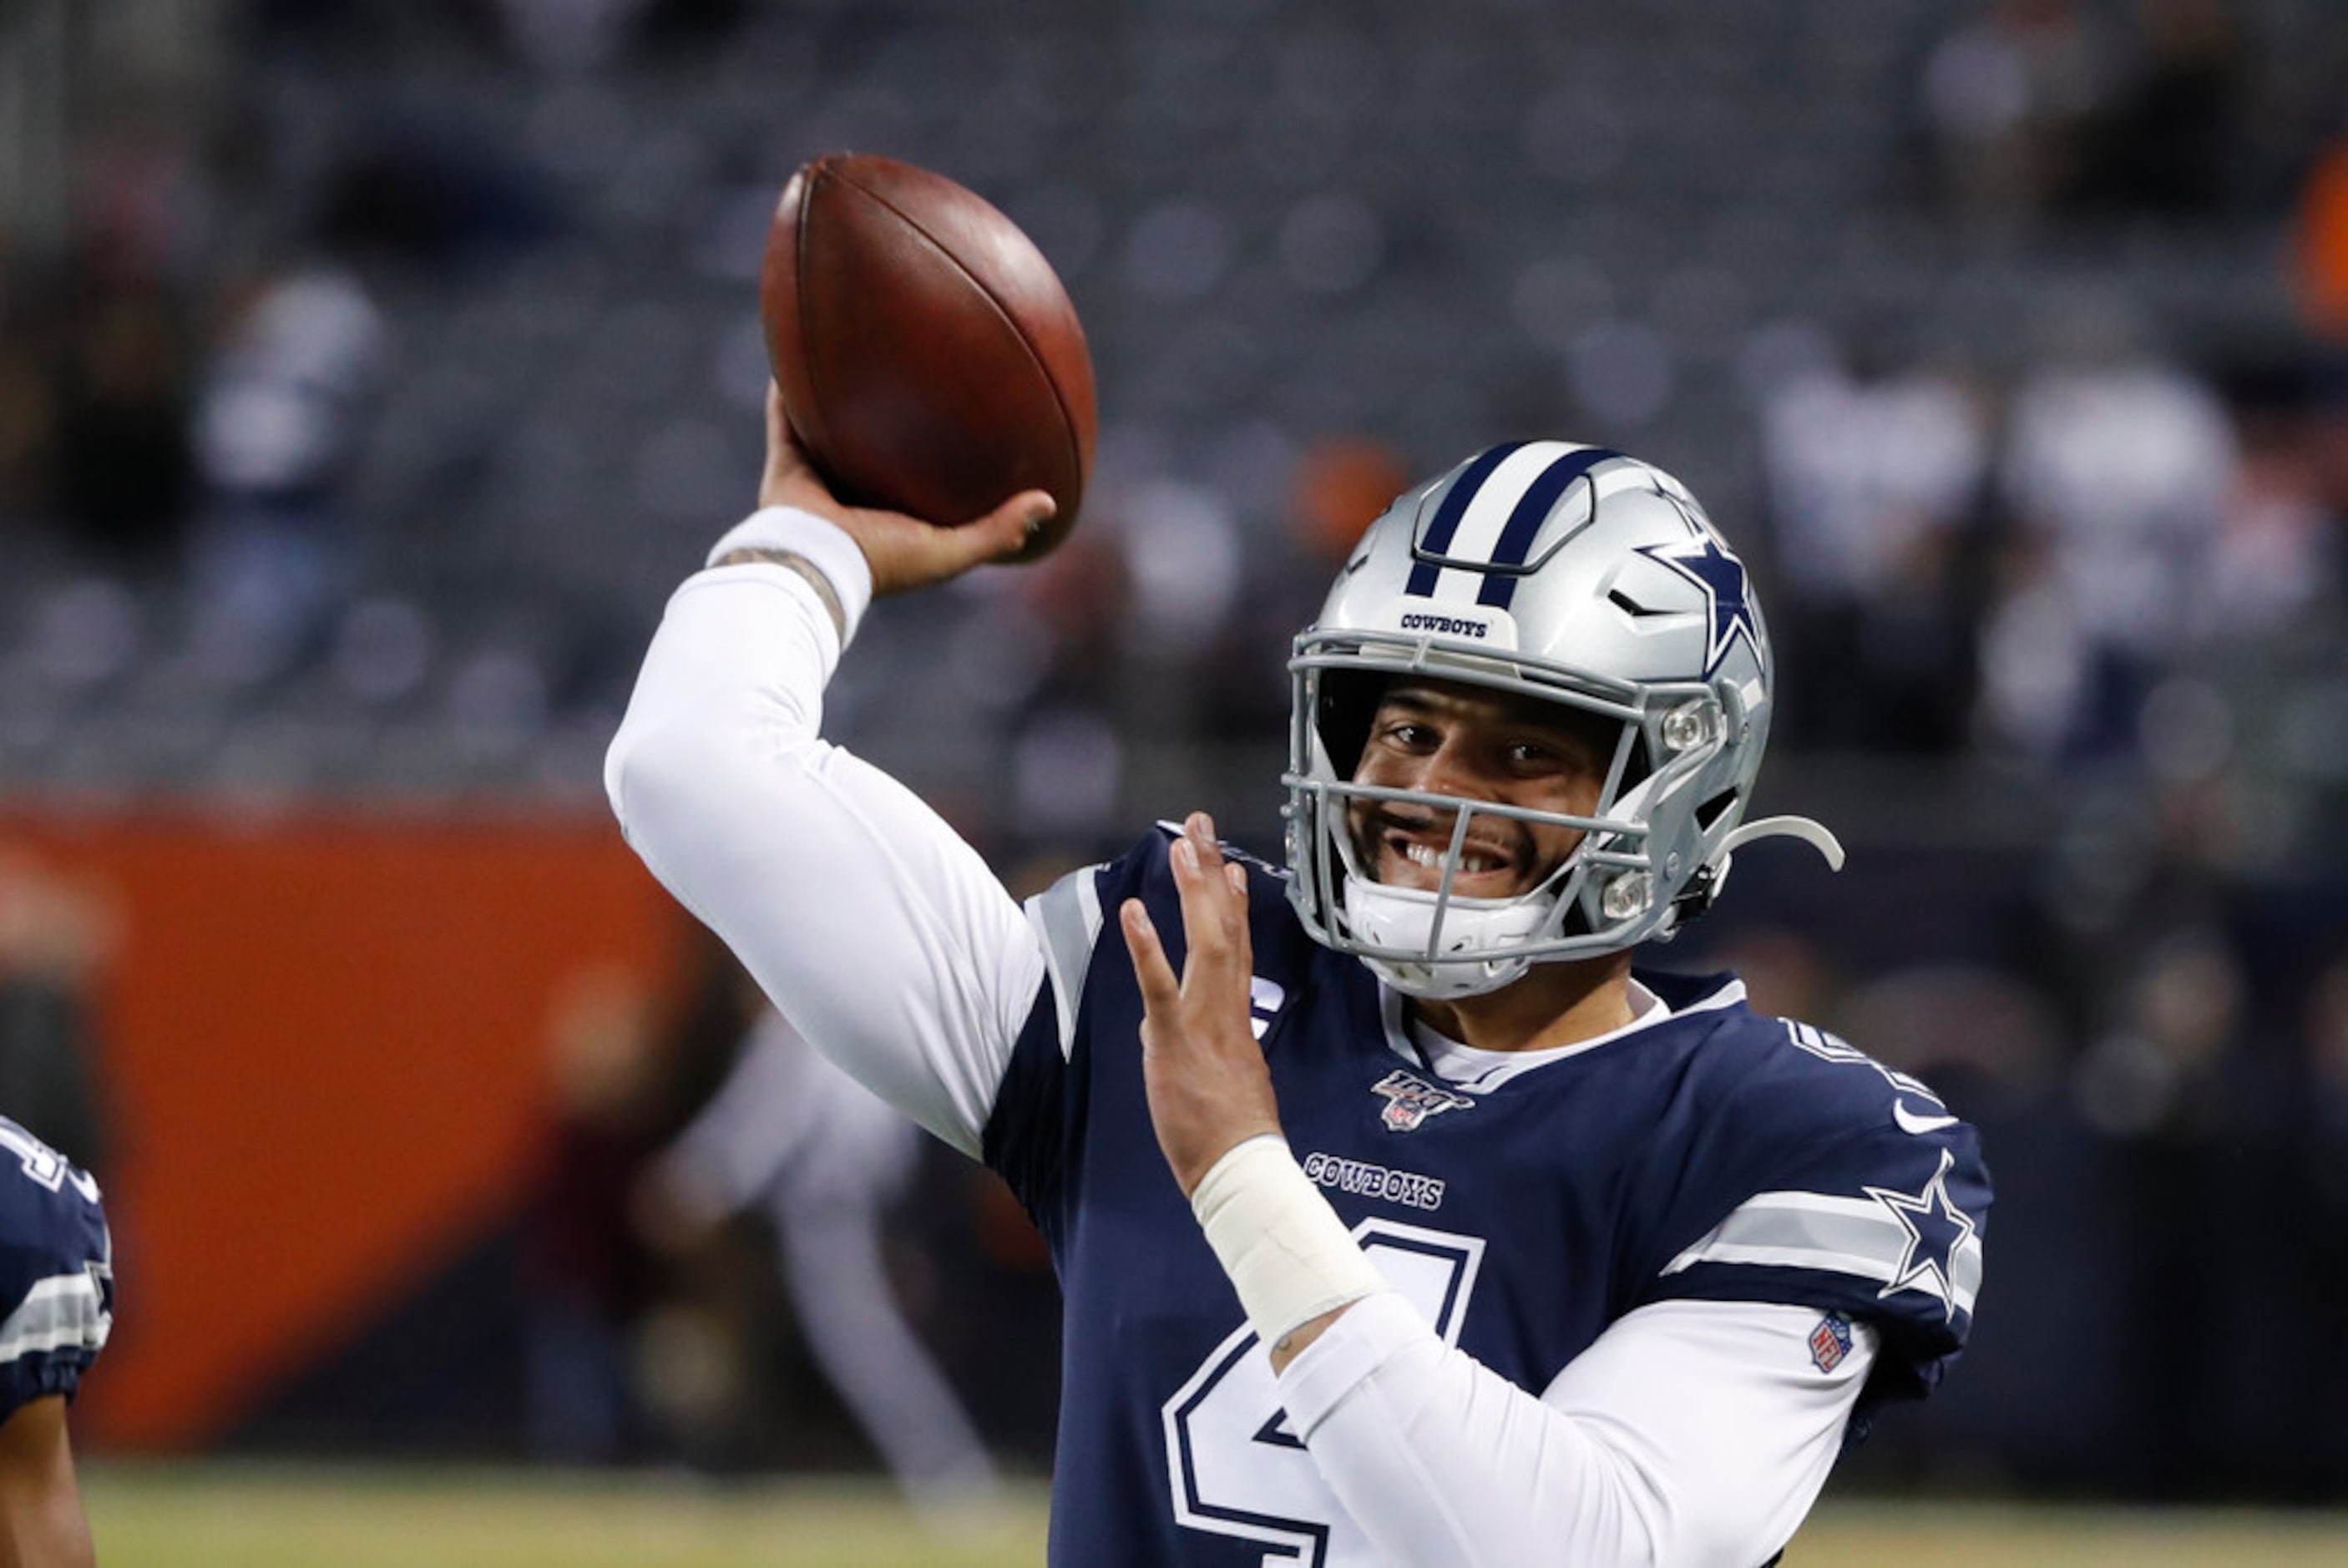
(56, 1271)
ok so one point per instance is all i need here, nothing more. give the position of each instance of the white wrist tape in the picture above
(821, 543)
(1288, 1254)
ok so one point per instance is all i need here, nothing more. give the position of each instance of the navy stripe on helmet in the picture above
(1423, 576)
(1516, 536)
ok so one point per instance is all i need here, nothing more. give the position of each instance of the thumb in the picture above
(907, 553)
(1008, 529)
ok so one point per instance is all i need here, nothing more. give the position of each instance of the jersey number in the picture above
(43, 1163)
(1238, 1468)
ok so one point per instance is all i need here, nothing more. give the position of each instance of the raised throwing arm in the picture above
(883, 936)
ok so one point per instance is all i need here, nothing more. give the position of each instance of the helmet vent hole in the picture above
(1630, 606)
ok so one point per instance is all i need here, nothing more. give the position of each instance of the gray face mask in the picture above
(1561, 574)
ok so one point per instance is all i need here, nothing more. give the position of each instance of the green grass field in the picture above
(239, 1516)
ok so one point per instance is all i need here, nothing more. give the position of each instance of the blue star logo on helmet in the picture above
(1721, 575)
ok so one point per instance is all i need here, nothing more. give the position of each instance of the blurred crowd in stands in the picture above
(352, 431)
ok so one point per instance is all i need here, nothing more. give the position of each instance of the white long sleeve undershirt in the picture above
(1690, 1432)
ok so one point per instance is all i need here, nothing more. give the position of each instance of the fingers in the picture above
(1214, 898)
(905, 553)
(1214, 922)
(1209, 1085)
(1199, 858)
(1159, 990)
(936, 554)
(788, 478)
(778, 425)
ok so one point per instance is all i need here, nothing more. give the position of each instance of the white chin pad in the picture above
(1479, 945)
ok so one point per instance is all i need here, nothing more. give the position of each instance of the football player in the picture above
(1479, 1244)
(789, 1132)
(56, 1304)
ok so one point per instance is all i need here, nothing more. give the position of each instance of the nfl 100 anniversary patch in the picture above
(1411, 1099)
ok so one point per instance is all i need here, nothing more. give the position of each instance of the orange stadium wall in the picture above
(325, 1061)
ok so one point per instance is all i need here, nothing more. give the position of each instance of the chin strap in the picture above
(1814, 834)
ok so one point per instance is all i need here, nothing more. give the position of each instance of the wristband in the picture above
(1287, 1254)
(822, 549)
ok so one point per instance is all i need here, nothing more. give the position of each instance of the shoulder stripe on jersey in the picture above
(61, 1312)
(1730, 993)
(1067, 916)
(1862, 1237)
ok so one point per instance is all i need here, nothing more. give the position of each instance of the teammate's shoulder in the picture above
(57, 1271)
(41, 1190)
(52, 1217)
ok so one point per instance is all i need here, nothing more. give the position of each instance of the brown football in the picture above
(928, 358)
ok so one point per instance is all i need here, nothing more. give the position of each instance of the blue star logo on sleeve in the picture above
(1937, 1229)
(1704, 562)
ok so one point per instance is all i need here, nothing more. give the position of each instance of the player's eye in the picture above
(1410, 734)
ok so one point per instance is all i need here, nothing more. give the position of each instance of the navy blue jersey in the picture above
(57, 1271)
(1716, 1155)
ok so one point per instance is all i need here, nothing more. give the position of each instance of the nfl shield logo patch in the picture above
(1411, 1100)
(1830, 1341)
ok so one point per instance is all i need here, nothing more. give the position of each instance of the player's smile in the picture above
(1497, 859)
(1445, 737)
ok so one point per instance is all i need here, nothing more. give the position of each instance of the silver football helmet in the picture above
(1578, 576)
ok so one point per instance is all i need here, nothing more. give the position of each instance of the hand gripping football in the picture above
(929, 359)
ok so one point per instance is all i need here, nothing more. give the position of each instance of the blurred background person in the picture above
(2168, 145)
(791, 1137)
(125, 468)
(2116, 467)
(586, 1283)
(280, 424)
(2009, 101)
(1877, 462)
